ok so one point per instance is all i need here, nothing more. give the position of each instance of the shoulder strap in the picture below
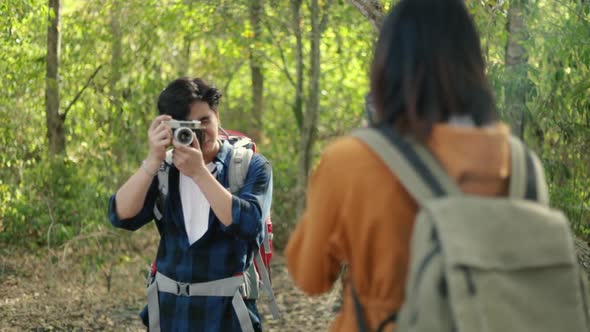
(415, 167)
(518, 169)
(267, 285)
(527, 177)
(424, 178)
(238, 167)
(163, 185)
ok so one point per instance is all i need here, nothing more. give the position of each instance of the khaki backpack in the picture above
(489, 264)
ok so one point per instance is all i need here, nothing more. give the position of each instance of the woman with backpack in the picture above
(429, 85)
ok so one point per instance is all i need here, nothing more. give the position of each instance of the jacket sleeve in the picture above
(252, 204)
(145, 215)
(309, 252)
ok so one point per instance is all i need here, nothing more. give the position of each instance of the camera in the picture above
(183, 131)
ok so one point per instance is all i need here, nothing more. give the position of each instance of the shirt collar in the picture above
(224, 152)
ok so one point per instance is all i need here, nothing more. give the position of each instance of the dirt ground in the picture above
(53, 290)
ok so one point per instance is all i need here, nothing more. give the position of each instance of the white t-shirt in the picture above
(195, 207)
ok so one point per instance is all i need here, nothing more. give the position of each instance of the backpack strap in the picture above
(416, 168)
(238, 167)
(418, 171)
(424, 178)
(448, 184)
(163, 173)
(266, 285)
(518, 171)
(227, 287)
(361, 323)
(527, 177)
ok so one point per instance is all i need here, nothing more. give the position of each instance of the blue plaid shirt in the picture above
(223, 251)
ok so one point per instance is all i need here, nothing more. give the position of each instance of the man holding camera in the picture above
(208, 234)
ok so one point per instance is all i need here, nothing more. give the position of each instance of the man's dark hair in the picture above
(176, 99)
(428, 66)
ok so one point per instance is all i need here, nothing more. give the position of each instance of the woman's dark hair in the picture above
(428, 66)
(180, 94)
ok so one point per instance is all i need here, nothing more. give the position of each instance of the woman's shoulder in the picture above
(347, 162)
(350, 151)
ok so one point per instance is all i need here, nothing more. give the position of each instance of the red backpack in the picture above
(238, 139)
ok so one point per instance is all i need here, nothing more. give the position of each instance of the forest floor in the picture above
(51, 290)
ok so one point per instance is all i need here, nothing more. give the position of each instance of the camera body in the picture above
(183, 131)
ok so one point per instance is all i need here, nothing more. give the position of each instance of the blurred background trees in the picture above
(81, 78)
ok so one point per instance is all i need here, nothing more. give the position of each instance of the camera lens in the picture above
(183, 136)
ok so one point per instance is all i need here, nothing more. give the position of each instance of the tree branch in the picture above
(231, 75)
(324, 20)
(65, 113)
(281, 53)
(495, 8)
(372, 10)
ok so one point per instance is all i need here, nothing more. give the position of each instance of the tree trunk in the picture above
(372, 10)
(309, 133)
(256, 13)
(516, 62)
(117, 120)
(116, 55)
(298, 104)
(55, 121)
(184, 61)
(185, 55)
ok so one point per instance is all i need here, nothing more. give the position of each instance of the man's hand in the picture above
(189, 159)
(159, 138)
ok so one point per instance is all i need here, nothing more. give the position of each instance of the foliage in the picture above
(557, 121)
(50, 200)
(559, 104)
(56, 200)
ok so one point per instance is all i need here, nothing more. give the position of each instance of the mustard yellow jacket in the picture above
(359, 214)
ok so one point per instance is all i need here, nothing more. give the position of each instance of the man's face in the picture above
(210, 122)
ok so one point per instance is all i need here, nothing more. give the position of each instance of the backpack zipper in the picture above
(471, 289)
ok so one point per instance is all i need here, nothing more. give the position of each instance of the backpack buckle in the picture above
(149, 279)
(182, 289)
